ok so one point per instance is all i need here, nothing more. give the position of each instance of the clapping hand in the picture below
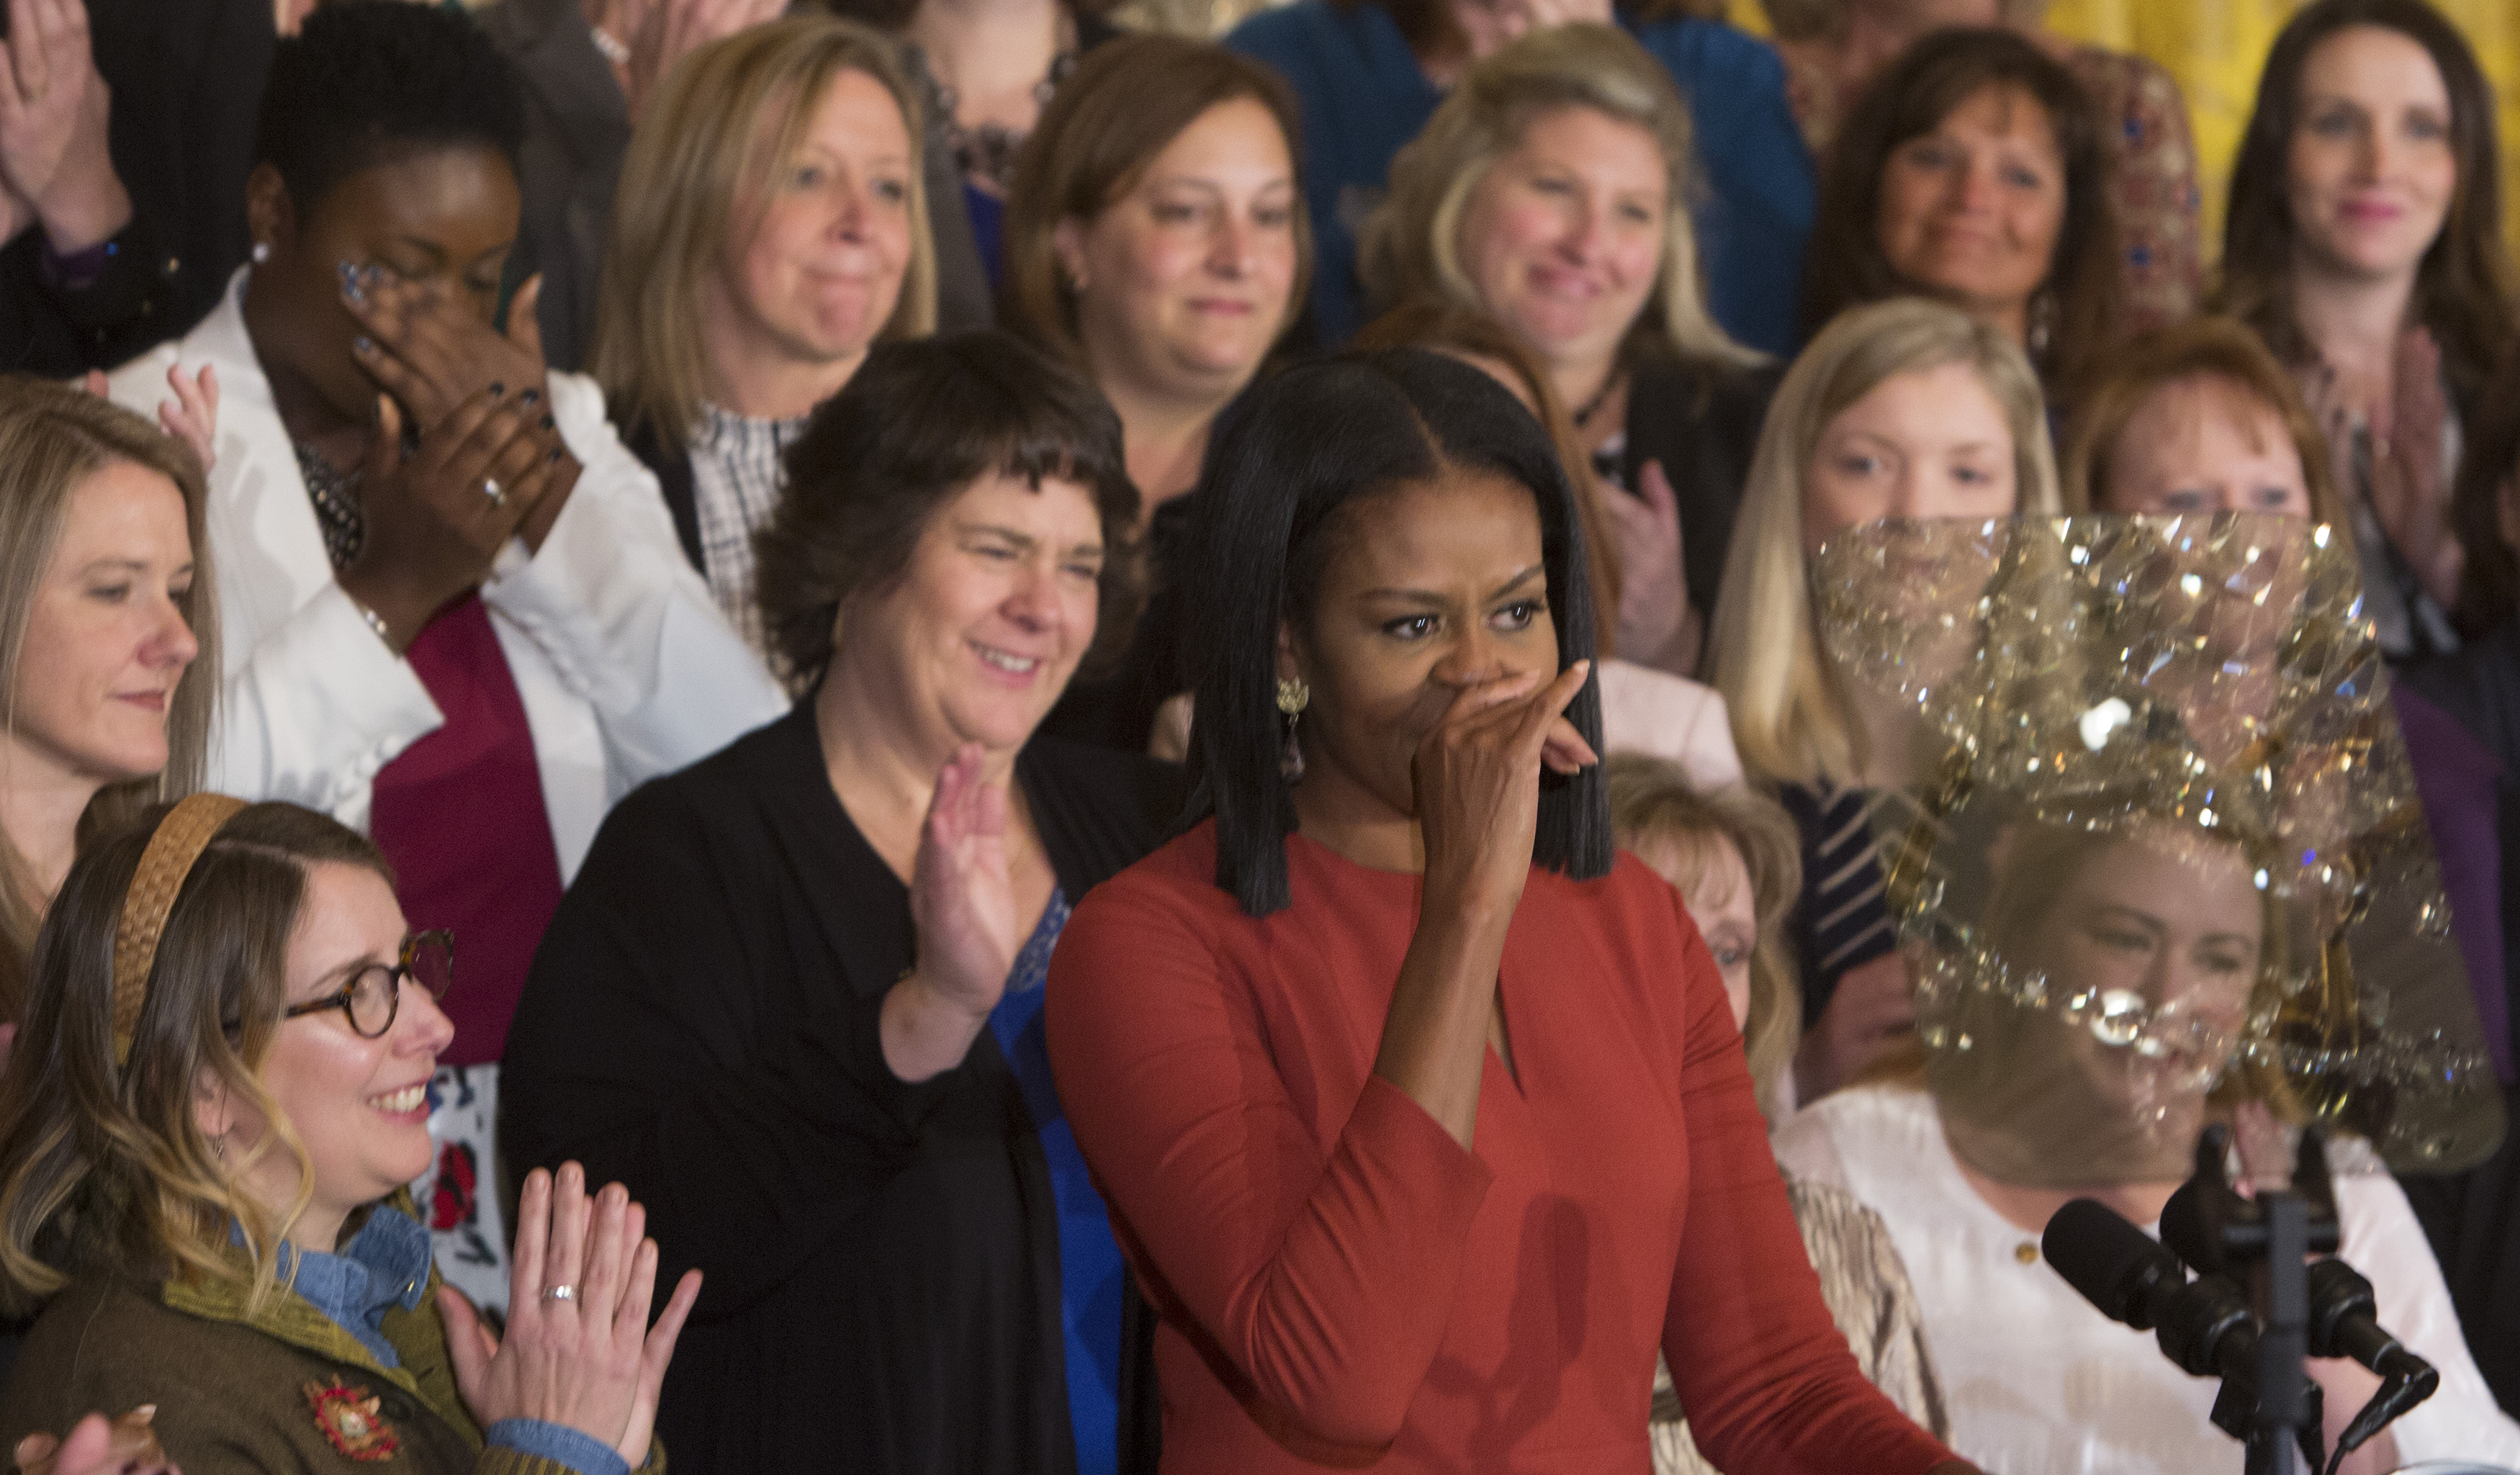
(1657, 625)
(963, 905)
(55, 163)
(661, 32)
(962, 894)
(579, 1351)
(124, 1446)
(191, 417)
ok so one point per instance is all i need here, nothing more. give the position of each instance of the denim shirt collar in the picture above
(385, 1265)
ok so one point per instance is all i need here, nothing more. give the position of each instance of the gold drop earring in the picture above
(1293, 698)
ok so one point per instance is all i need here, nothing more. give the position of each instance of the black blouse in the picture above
(881, 1258)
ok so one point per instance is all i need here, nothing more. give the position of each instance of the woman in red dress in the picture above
(1424, 1121)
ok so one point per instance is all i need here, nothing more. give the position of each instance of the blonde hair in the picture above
(1651, 799)
(1789, 719)
(52, 439)
(716, 132)
(105, 1170)
(2225, 354)
(1410, 247)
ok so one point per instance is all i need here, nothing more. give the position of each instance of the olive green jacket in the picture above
(282, 1388)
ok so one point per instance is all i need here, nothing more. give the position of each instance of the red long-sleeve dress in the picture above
(1340, 1284)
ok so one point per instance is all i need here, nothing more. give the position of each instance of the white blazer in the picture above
(626, 667)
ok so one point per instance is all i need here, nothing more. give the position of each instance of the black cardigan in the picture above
(1701, 420)
(882, 1287)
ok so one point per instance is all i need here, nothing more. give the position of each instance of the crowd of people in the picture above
(922, 736)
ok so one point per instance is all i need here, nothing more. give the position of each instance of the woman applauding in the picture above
(795, 999)
(219, 1093)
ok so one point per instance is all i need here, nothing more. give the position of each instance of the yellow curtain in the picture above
(2216, 47)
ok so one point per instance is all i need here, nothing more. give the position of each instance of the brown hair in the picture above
(2489, 587)
(1845, 265)
(1127, 102)
(105, 1171)
(52, 439)
(1651, 799)
(1463, 332)
(2217, 350)
(1410, 247)
(2463, 287)
(696, 157)
(917, 424)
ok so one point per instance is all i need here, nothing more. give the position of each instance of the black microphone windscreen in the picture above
(2183, 1228)
(2102, 1256)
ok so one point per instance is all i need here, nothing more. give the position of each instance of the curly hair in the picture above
(919, 422)
(367, 82)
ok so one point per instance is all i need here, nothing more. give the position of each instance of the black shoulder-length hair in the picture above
(1305, 444)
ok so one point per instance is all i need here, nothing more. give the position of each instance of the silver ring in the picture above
(559, 1292)
(498, 498)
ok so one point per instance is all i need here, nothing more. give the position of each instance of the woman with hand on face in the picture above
(1643, 710)
(771, 228)
(2364, 245)
(1551, 192)
(1157, 243)
(219, 1097)
(1347, 1056)
(1975, 170)
(1371, 73)
(452, 609)
(1902, 408)
(794, 999)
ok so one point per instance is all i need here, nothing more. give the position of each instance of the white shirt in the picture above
(624, 666)
(2037, 1380)
(1654, 713)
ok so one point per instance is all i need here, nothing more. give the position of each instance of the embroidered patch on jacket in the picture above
(349, 1418)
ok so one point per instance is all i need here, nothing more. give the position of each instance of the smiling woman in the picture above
(1973, 170)
(795, 998)
(106, 696)
(203, 1160)
(1157, 243)
(771, 226)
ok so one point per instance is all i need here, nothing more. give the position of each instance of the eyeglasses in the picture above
(373, 996)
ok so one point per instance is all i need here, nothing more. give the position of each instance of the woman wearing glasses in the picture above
(221, 1090)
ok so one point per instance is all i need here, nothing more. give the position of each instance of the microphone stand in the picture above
(2272, 1237)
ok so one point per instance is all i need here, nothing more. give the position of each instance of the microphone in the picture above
(2342, 1316)
(2204, 1326)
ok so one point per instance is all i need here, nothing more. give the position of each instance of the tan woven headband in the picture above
(179, 840)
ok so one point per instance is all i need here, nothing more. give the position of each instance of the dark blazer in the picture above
(702, 1024)
(2473, 1218)
(1701, 420)
(187, 80)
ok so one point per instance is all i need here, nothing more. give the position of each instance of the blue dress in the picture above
(1362, 95)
